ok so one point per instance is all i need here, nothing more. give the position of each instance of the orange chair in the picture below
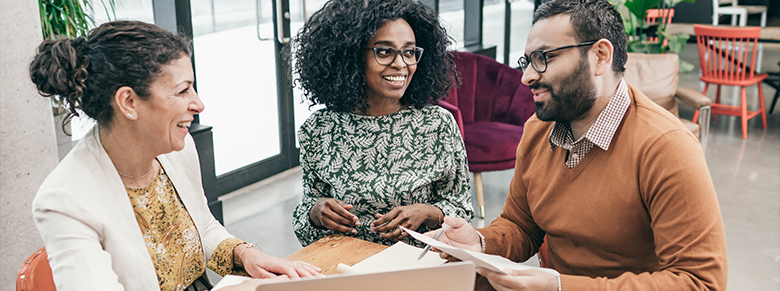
(727, 56)
(35, 273)
(658, 16)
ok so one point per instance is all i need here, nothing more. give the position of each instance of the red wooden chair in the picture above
(658, 16)
(35, 273)
(727, 56)
(491, 107)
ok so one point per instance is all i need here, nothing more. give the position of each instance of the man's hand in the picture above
(533, 279)
(460, 234)
(333, 214)
(411, 217)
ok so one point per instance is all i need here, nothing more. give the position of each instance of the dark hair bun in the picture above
(60, 70)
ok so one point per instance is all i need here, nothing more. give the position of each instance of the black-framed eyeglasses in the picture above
(538, 58)
(386, 55)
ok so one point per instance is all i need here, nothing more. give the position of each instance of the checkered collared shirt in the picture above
(600, 132)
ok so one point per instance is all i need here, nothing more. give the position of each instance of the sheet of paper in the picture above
(490, 262)
(229, 280)
(399, 256)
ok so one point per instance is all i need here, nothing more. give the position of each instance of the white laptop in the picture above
(451, 277)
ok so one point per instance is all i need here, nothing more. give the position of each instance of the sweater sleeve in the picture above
(687, 226)
(314, 188)
(514, 234)
(454, 190)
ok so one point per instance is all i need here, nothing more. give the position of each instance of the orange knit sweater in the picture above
(643, 215)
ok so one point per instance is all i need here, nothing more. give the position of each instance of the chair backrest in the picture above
(727, 53)
(490, 91)
(35, 273)
(656, 16)
(655, 75)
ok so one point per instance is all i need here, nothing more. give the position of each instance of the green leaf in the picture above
(69, 17)
(644, 46)
(672, 3)
(686, 67)
(676, 41)
(638, 7)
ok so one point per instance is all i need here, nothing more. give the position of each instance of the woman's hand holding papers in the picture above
(460, 234)
(333, 214)
(532, 279)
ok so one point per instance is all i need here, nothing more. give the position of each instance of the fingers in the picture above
(305, 269)
(455, 222)
(396, 234)
(497, 280)
(262, 274)
(381, 224)
(335, 217)
(447, 257)
(341, 209)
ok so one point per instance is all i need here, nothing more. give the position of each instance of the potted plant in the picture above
(69, 19)
(640, 33)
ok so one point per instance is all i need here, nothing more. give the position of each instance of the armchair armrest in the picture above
(692, 98)
(455, 113)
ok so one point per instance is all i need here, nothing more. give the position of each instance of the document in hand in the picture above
(490, 262)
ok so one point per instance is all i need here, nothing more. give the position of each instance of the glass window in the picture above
(522, 16)
(451, 16)
(235, 67)
(493, 26)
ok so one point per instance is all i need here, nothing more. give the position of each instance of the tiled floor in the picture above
(746, 174)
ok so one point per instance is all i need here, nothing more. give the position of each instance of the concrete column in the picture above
(27, 140)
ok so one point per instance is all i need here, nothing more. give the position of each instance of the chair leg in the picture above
(774, 101)
(743, 108)
(717, 100)
(704, 127)
(480, 194)
(761, 101)
(763, 19)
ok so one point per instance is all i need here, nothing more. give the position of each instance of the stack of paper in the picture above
(490, 262)
(399, 256)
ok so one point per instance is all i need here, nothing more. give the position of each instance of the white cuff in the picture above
(482, 241)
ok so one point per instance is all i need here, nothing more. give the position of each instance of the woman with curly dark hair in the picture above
(380, 154)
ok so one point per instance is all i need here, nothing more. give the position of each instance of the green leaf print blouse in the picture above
(377, 163)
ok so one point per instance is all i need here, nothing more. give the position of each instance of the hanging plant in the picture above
(69, 18)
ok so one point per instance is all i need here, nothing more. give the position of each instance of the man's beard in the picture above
(576, 97)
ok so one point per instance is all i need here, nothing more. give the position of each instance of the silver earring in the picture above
(130, 115)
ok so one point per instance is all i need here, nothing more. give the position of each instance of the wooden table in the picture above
(333, 249)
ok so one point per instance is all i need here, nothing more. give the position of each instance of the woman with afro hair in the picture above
(380, 154)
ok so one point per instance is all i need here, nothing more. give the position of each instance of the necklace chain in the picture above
(136, 177)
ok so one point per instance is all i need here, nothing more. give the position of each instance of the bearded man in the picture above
(616, 183)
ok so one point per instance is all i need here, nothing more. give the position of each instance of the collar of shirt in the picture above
(603, 130)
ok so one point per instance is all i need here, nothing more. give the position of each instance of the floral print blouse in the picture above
(377, 163)
(172, 239)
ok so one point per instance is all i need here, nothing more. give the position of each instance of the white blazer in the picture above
(87, 223)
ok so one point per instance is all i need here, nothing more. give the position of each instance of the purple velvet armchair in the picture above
(491, 107)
